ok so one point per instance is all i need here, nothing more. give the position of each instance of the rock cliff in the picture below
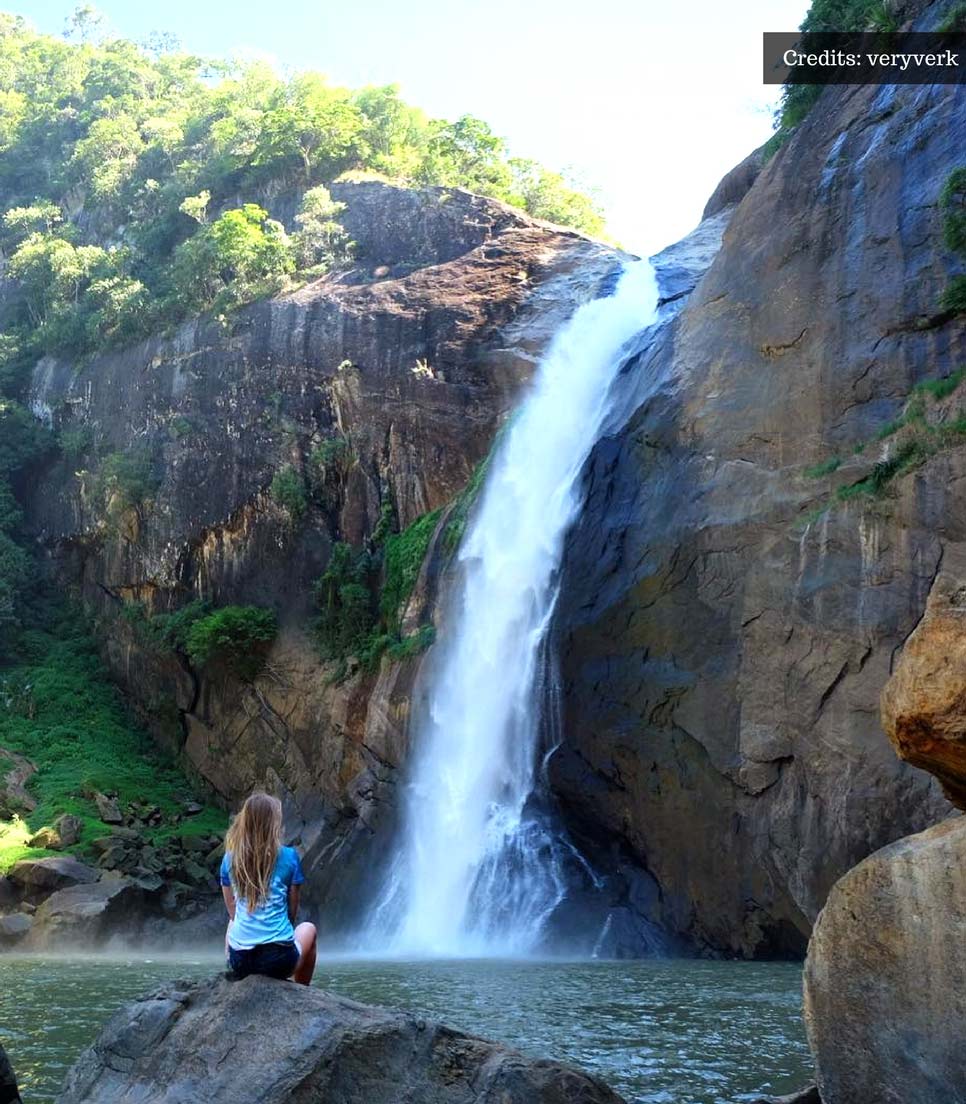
(398, 374)
(761, 532)
(258, 1040)
(759, 540)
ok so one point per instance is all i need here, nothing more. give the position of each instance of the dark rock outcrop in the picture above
(260, 1040)
(885, 978)
(723, 646)
(39, 877)
(9, 1093)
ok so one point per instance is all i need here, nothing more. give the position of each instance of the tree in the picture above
(104, 161)
(467, 154)
(310, 125)
(235, 253)
(321, 241)
(549, 196)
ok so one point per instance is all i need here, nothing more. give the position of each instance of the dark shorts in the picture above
(276, 960)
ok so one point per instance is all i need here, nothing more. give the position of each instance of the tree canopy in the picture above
(130, 175)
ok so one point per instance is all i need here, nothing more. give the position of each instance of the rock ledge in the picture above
(256, 1040)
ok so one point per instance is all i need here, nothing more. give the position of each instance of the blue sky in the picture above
(649, 101)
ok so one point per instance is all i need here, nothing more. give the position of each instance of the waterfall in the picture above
(481, 863)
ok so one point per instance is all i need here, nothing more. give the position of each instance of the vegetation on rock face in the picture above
(952, 204)
(924, 433)
(127, 181)
(288, 490)
(797, 100)
(362, 596)
(236, 636)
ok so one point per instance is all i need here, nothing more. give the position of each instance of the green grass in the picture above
(941, 388)
(955, 19)
(403, 555)
(826, 467)
(59, 709)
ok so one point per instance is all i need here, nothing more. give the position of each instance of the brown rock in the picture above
(885, 978)
(69, 828)
(108, 809)
(47, 838)
(924, 702)
(15, 770)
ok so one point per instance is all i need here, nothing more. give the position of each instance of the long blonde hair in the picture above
(253, 841)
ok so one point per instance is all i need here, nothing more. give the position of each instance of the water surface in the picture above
(660, 1032)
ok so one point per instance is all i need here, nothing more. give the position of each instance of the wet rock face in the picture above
(722, 655)
(402, 369)
(885, 979)
(924, 703)
(258, 1039)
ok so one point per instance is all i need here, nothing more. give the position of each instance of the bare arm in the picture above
(294, 893)
(229, 897)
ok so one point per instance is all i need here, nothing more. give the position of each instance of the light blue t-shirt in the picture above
(269, 923)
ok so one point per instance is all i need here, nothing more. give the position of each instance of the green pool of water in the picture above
(660, 1032)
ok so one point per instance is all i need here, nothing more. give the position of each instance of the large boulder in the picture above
(885, 978)
(924, 702)
(258, 1040)
(88, 914)
(38, 877)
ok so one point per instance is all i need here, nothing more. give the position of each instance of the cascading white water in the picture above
(478, 872)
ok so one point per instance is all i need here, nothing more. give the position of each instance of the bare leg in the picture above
(305, 934)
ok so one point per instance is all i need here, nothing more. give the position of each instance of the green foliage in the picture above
(321, 241)
(58, 708)
(358, 616)
(344, 597)
(154, 145)
(169, 630)
(825, 15)
(413, 644)
(941, 388)
(955, 19)
(75, 442)
(953, 297)
(403, 555)
(288, 490)
(236, 636)
(819, 471)
(952, 204)
(231, 261)
(127, 481)
(331, 455)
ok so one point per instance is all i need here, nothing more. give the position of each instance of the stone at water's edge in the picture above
(885, 979)
(260, 1040)
(9, 1093)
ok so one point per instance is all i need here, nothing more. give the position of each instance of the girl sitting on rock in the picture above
(261, 883)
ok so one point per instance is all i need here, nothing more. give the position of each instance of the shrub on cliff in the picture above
(288, 490)
(236, 636)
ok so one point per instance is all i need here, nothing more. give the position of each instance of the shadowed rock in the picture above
(8, 1083)
(261, 1040)
(885, 979)
(38, 877)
